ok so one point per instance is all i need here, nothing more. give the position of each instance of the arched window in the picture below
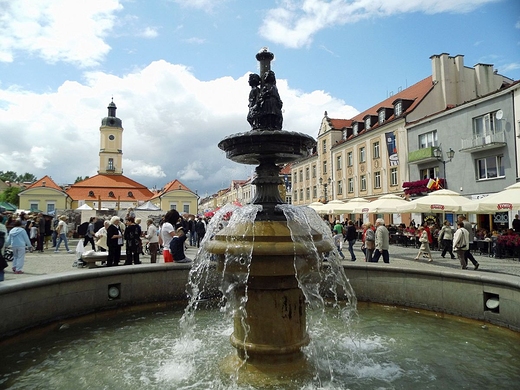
(91, 193)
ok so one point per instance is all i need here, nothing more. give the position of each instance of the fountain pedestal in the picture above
(258, 259)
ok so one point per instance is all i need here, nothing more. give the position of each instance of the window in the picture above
(376, 150)
(350, 185)
(91, 193)
(367, 123)
(344, 135)
(33, 206)
(301, 175)
(314, 192)
(307, 173)
(362, 155)
(173, 206)
(324, 144)
(350, 160)
(307, 193)
(314, 171)
(295, 178)
(110, 164)
(186, 208)
(490, 167)
(398, 109)
(324, 166)
(355, 128)
(428, 140)
(486, 124)
(338, 163)
(393, 176)
(111, 194)
(429, 173)
(363, 183)
(295, 195)
(339, 188)
(381, 116)
(301, 195)
(377, 180)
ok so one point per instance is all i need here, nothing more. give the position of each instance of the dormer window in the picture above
(355, 128)
(344, 134)
(111, 194)
(398, 108)
(91, 193)
(130, 195)
(381, 116)
(367, 123)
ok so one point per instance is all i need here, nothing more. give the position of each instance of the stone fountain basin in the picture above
(36, 301)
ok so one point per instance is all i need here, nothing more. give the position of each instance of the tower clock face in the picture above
(111, 137)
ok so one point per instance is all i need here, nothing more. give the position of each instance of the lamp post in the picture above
(327, 182)
(438, 155)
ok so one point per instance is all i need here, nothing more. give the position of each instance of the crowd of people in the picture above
(453, 240)
(22, 232)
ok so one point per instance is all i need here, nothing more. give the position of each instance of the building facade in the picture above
(367, 155)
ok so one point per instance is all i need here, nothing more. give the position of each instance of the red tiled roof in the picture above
(101, 185)
(174, 185)
(48, 183)
(339, 124)
(286, 170)
(415, 92)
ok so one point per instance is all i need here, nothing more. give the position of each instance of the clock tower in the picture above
(111, 143)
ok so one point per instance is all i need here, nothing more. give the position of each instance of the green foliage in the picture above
(80, 178)
(8, 176)
(11, 195)
(13, 177)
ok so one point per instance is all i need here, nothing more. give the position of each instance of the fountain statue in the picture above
(270, 315)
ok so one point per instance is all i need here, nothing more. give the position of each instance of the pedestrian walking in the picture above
(382, 242)
(62, 230)
(18, 240)
(424, 249)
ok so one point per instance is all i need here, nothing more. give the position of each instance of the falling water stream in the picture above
(353, 346)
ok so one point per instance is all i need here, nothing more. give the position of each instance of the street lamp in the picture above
(325, 186)
(438, 155)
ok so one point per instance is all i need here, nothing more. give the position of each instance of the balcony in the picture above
(484, 142)
(423, 155)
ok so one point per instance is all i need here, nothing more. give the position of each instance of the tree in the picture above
(26, 178)
(8, 176)
(10, 195)
(79, 178)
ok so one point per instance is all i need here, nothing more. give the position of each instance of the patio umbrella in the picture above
(318, 207)
(386, 204)
(441, 201)
(352, 204)
(507, 199)
(336, 207)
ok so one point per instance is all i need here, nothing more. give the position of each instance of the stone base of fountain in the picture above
(258, 262)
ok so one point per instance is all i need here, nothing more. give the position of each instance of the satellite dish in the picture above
(499, 114)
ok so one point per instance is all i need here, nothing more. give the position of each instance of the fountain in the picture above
(270, 259)
(266, 258)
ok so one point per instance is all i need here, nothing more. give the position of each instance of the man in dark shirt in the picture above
(351, 237)
(516, 224)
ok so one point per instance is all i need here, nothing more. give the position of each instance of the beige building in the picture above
(367, 155)
(44, 195)
(176, 195)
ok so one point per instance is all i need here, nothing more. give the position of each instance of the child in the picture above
(338, 241)
(425, 244)
(177, 246)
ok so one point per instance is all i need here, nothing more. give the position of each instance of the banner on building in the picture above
(392, 149)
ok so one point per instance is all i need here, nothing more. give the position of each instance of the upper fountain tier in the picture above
(266, 142)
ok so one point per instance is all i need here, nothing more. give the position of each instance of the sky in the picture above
(178, 72)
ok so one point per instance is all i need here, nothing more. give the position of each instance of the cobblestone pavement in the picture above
(37, 264)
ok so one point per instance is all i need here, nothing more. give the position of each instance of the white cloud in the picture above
(294, 23)
(57, 30)
(149, 32)
(172, 124)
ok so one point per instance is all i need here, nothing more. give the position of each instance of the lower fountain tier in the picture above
(257, 146)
